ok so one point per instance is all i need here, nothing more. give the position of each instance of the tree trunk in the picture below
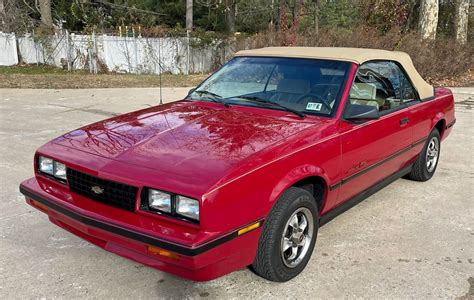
(4, 26)
(296, 21)
(230, 15)
(282, 16)
(272, 8)
(3, 21)
(45, 10)
(462, 17)
(411, 16)
(283, 23)
(316, 17)
(297, 8)
(189, 15)
(428, 19)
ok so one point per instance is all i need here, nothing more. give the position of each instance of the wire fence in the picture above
(106, 53)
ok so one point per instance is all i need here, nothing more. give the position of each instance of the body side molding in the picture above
(363, 195)
(375, 165)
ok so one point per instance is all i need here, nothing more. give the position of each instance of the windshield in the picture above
(302, 86)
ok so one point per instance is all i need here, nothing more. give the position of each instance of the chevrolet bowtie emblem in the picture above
(97, 189)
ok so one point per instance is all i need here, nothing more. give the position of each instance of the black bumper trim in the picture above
(129, 233)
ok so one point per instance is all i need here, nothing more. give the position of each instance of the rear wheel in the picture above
(425, 166)
(288, 237)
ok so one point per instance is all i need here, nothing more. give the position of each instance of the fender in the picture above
(297, 174)
(440, 116)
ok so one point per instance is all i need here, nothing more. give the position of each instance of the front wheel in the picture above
(288, 237)
(425, 165)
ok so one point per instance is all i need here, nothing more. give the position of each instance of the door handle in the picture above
(404, 121)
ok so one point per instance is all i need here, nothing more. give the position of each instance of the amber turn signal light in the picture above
(161, 252)
(39, 206)
(249, 228)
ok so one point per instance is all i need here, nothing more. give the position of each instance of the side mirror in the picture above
(358, 112)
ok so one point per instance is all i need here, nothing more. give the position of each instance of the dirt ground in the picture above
(410, 240)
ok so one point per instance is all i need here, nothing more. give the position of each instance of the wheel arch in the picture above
(439, 122)
(309, 177)
(317, 186)
(441, 126)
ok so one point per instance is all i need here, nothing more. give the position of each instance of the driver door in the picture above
(374, 149)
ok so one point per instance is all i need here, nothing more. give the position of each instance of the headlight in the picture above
(159, 200)
(51, 167)
(46, 165)
(59, 170)
(187, 207)
(155, 201)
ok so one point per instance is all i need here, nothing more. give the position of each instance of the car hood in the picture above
(186, 138)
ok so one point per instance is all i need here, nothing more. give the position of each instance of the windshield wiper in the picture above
(203, 92)
(265, 101)
(214, 97)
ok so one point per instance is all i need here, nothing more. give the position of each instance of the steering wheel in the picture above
(314, 96)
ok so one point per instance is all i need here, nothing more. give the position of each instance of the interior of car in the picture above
(299, 88)
(381, 84)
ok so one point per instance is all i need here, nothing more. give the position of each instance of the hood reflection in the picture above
(185, 135)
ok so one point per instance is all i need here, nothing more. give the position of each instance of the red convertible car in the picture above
(246, 168)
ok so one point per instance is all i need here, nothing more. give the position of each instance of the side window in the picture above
(408, 92)
(381, 84)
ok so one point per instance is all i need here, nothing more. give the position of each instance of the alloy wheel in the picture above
(296, 238)
(432, 153)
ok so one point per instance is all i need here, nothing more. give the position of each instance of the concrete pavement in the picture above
(410, 240)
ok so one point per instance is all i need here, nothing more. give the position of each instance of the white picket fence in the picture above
(135, 55)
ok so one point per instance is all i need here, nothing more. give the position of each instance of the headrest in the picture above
(293, 86)
(362, 90)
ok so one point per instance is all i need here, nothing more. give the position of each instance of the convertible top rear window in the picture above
(308, 86)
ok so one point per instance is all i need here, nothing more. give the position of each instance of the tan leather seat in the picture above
(365, 94)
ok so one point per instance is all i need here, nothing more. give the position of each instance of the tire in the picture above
(422, 170)
(270, 262)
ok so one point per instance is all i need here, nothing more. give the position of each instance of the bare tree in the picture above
(461, 21)
(316, 16)
(3, 16)
(230, 15)
(297, 8)
(428, 19)
(282, 15)
(189, 15)
(45, 10)
(14, 16)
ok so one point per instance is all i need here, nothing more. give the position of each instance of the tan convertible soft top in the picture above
(355, 55)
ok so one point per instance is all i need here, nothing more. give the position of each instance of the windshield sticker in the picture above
(314, 106)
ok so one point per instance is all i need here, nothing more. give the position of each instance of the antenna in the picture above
(159, 68)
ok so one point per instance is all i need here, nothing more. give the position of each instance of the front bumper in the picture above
(205, 261)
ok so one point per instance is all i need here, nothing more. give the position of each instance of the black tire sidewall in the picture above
(304, 199)
(426, 174)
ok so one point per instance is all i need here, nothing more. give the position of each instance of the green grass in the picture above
(49, 77)
(36, 69)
